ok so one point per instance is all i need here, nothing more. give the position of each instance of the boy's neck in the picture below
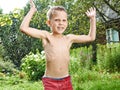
(57, 35)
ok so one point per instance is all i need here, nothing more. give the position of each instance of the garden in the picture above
(93, 66)
(86, 75)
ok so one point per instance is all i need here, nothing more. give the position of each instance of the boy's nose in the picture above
(60, 22)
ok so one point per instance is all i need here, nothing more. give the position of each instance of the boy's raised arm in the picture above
(24, 27)
(91, 13)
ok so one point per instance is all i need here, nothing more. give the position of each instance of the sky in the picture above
(10, 5)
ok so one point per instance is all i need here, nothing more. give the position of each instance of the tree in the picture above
(1, 10)
(109, 16)
(11, 38)
(16, 44)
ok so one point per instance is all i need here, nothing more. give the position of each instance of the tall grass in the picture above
(87, 76)
(84, 79)
(108, 58)
(15, 83)
(83, 56)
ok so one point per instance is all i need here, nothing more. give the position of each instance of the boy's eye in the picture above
(56, 19)
(64, 20)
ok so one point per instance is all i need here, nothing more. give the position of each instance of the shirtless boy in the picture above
(56, 45)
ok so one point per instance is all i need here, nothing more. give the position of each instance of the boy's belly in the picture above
(57, 70)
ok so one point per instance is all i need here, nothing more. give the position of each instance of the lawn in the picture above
(15, 83)
(105, 75)
(88, 80)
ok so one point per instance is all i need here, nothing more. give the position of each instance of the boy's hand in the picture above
(32, 5)
(91, 13)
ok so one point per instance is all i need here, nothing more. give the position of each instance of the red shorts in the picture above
(57, 84)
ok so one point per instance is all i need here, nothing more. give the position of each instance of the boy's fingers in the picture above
(32, 3)
(91, 12)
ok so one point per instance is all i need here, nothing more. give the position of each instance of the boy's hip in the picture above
(57, 83)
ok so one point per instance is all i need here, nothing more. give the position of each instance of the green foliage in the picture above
(17, 45)
(6, 67)
(34, 65)
(1, 10)
(10, 80)
(84, 56)
(1, 52)
(84, 79)
(13, 40)
(108, 57)
(15, 83)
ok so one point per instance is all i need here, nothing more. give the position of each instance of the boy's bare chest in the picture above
(58, 44)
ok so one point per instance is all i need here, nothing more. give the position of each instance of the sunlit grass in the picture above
(82, 80)
(21, 85)
(24, 86)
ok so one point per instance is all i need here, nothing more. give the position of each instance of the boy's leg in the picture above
(49, 84)
(67, 84)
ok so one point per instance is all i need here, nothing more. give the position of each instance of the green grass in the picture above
(82, 80)
(14, 83)
(24, 86)
(99, 85)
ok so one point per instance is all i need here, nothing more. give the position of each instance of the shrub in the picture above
(109, 57)
(83, 55)
(34, 65)
(6, 67)
(2, 51)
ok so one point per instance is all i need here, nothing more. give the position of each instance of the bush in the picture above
(109, 57)
(83, 56)
(6, 67)
(34, 65)
(2, 51)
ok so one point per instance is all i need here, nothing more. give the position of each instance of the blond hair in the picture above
(53, 9)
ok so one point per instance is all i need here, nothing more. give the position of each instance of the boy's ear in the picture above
(48, 22)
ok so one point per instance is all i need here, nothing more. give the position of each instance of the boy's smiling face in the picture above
(58, 22)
